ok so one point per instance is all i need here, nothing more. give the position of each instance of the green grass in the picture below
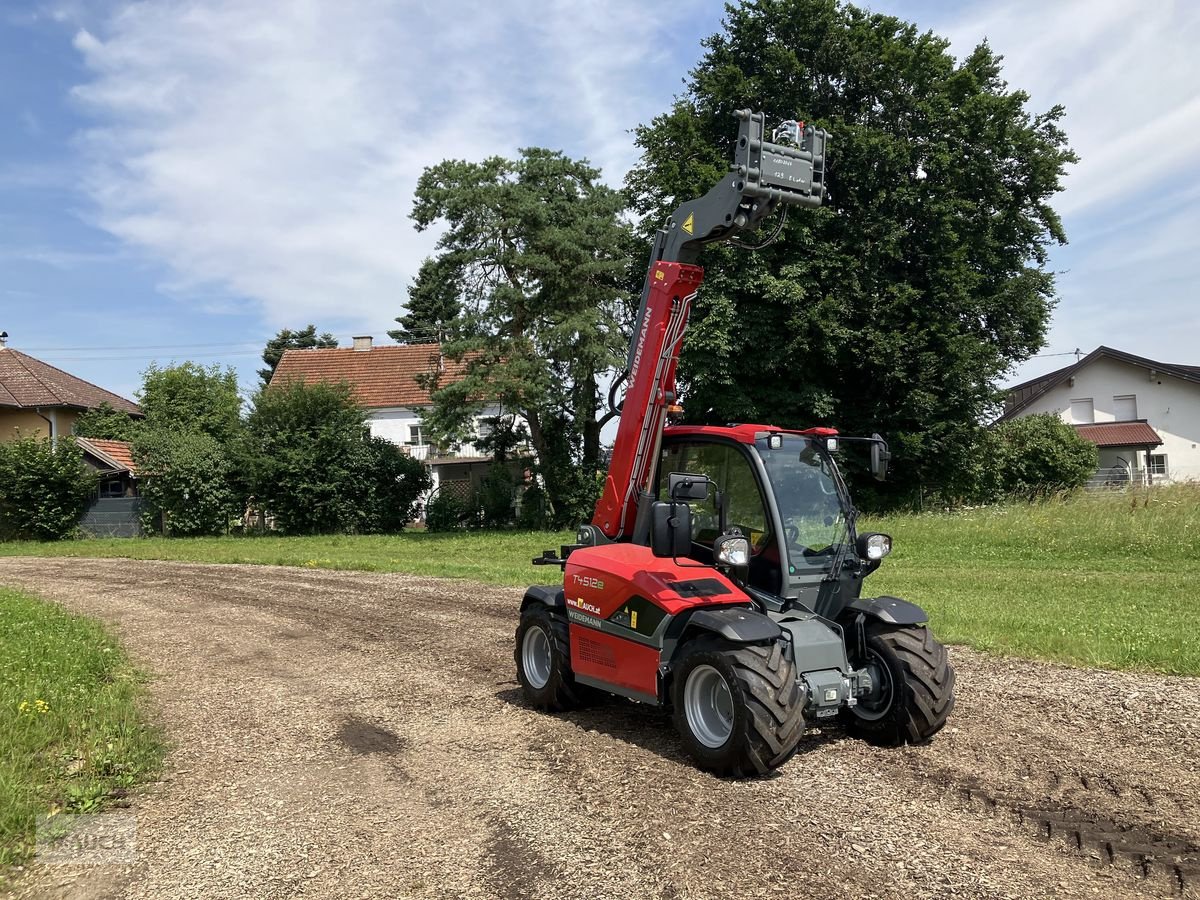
(1100, 580)
(72, 737)
(1107, 580)
(490, 557)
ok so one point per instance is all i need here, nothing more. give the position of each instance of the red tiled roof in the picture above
(27, 383)
(1120, 434)
(381, 377)
(119, 454)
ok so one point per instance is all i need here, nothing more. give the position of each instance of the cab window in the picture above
(731, 472)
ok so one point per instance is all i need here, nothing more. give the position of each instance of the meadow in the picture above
(73, 738)
(1106, 580)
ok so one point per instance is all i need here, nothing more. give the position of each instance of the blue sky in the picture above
(181, 178)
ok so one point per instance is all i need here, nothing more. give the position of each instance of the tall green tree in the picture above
(304, 339)
(191, 397)
(536, 254)
(187, 481)
(433, 304)
(106, 423)
(898, 305)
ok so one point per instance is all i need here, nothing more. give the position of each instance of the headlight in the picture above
(732, 550)
(877, 546)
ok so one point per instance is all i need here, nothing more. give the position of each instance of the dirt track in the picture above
(352, 735)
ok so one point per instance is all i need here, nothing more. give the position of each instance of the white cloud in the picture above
(271, 150)
(1128, 76)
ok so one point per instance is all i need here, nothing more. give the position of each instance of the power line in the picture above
(1077, 353)
(214, 344)
(136, 357)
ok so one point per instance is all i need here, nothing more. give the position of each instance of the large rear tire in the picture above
(738, 709)
(914, 692)
(543, 656)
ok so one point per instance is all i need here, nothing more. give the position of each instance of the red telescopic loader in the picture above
(721, 574)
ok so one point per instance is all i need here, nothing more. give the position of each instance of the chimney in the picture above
(3, 338)
(362, 342)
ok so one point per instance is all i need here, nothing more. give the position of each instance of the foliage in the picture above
(537, 257)
(192, 397)
(308, 459)
(106, 423)
(72, 736)
(532, 515)
(304, 339)
(446, 511)
(496, 497)
(433, 304)
(395, 483)
(186, 481)
(898, 305)
(1041, 454)
(44, 488)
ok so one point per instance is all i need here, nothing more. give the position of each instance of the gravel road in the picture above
(353, 735)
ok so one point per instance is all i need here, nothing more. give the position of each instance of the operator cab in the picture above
(781, 490)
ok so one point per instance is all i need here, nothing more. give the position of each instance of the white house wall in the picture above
(395, 423)
(1171, 406)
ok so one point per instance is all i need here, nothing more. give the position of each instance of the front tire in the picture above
(914, 693)
(738, 710)
(543, 657)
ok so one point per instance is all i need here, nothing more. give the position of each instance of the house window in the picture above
(416, 436)
(111, 487)
(1125, 408)
(1158, 464)
(1083, 411)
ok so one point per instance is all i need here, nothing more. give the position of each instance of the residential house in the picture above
(37, 398)
(385, 383)
(116, 510)
(1143, 415)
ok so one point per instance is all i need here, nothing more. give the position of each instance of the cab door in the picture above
(730, 468)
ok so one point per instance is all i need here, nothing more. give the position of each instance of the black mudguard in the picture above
(891, 610)
(549, 595)
(736, 624)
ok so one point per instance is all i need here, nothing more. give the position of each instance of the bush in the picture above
(44, 489)
(395, 482)
(532, 516)
(1040, 454)
(309, 459)
(186, 482)
(446, 512)
(495, 498)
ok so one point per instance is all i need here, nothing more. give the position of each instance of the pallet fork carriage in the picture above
(721, 574)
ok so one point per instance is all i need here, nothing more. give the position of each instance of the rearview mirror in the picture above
(670, 529)
(880, 457)
(682, 486)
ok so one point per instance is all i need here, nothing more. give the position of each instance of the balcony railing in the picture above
(426, 452)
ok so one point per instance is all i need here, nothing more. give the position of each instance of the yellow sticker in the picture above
(689, 224)
(659, 274)
(633, 620)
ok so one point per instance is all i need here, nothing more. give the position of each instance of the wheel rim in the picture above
(874, 707)
(708, 705)
(535, 656)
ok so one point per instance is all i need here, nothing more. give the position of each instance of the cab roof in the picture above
(745, 434)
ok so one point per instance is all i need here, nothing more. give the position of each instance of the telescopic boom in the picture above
(788, 170)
